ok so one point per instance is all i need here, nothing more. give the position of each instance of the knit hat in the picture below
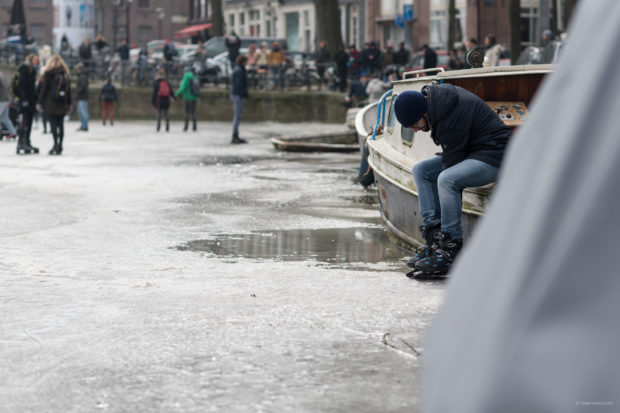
(409, 108)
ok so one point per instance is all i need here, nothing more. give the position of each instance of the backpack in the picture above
(59, 88)
(194, 87)
(164, 89)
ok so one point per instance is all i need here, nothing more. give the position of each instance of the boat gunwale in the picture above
(400, 185)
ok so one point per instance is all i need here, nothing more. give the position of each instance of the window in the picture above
(37, 2)
(144, 34)
(254, 17)
(143, 3)
(438, 28)
(307, 18)
(308, 40)
(231, 21)
(387, 34)
(529, 22)
(242, 24)
(37, 31)
(392, 116)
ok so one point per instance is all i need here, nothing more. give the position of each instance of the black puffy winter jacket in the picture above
(464, 126)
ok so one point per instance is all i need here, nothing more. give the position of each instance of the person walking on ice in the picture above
(190, 89)
(238, 94)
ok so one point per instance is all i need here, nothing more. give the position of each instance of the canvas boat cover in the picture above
(531, 318)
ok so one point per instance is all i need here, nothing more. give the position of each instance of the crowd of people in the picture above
(366, 74)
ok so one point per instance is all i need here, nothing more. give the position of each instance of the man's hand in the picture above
(372, 130)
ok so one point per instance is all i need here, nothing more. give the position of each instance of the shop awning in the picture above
(191, 30)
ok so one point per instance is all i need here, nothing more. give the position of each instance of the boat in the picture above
(394, 151)
(340, 141)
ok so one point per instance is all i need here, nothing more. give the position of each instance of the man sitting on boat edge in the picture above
(473, 140)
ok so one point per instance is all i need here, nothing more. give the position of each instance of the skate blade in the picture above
(425, 276)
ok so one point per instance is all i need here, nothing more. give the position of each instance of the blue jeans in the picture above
(440, 192)
(4, 118)
(82, 109)
(238, 105)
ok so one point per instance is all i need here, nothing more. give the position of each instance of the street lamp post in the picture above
(160, 18)
(127, 10)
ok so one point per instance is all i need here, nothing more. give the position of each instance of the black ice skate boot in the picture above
(33, 149)
(439, 262)
(22, 148)
(428, 233)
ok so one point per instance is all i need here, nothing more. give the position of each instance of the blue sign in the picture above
(398, 21)
(408, 12)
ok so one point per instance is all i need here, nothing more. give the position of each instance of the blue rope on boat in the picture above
(381, 112)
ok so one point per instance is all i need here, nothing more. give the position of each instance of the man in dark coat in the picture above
(401, 57)
(27, 95)
(123, 53)
(233, 44)
(81, 95)
(238, 94)
(430, 57)
(473, 140)
(341, 59)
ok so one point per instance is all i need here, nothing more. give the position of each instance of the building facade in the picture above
(294, 20)
(39, 23)
(146, 19)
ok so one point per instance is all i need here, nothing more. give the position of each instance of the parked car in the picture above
(155, 50)
(216, 69)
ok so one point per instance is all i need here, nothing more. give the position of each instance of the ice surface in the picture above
(107, 302)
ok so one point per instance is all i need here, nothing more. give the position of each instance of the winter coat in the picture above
(464, 126)
(323, 57)
(430, 59)
(51, 106)
(233, 44)
(26, 90)
(108, 93)
(123, 52)
(81, 90)
(185, 87)
(263, 57)
(341, 58)
(85, 51)
(401, 57)
(161, 102)
(239, 82)
(276, 57)
(492, 54)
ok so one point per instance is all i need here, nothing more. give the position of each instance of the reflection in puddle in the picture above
(333, 246)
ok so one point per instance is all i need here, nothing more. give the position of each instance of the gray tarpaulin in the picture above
(531, 319)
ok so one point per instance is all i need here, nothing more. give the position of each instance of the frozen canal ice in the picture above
(174, 272)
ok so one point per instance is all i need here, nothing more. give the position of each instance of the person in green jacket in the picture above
(190, 96)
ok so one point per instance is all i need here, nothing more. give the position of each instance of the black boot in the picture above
(236, 139)
(428, 233)
(33, 149)
(22, 148)
(439, 263)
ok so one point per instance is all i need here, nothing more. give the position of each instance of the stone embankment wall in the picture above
(215, 104)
